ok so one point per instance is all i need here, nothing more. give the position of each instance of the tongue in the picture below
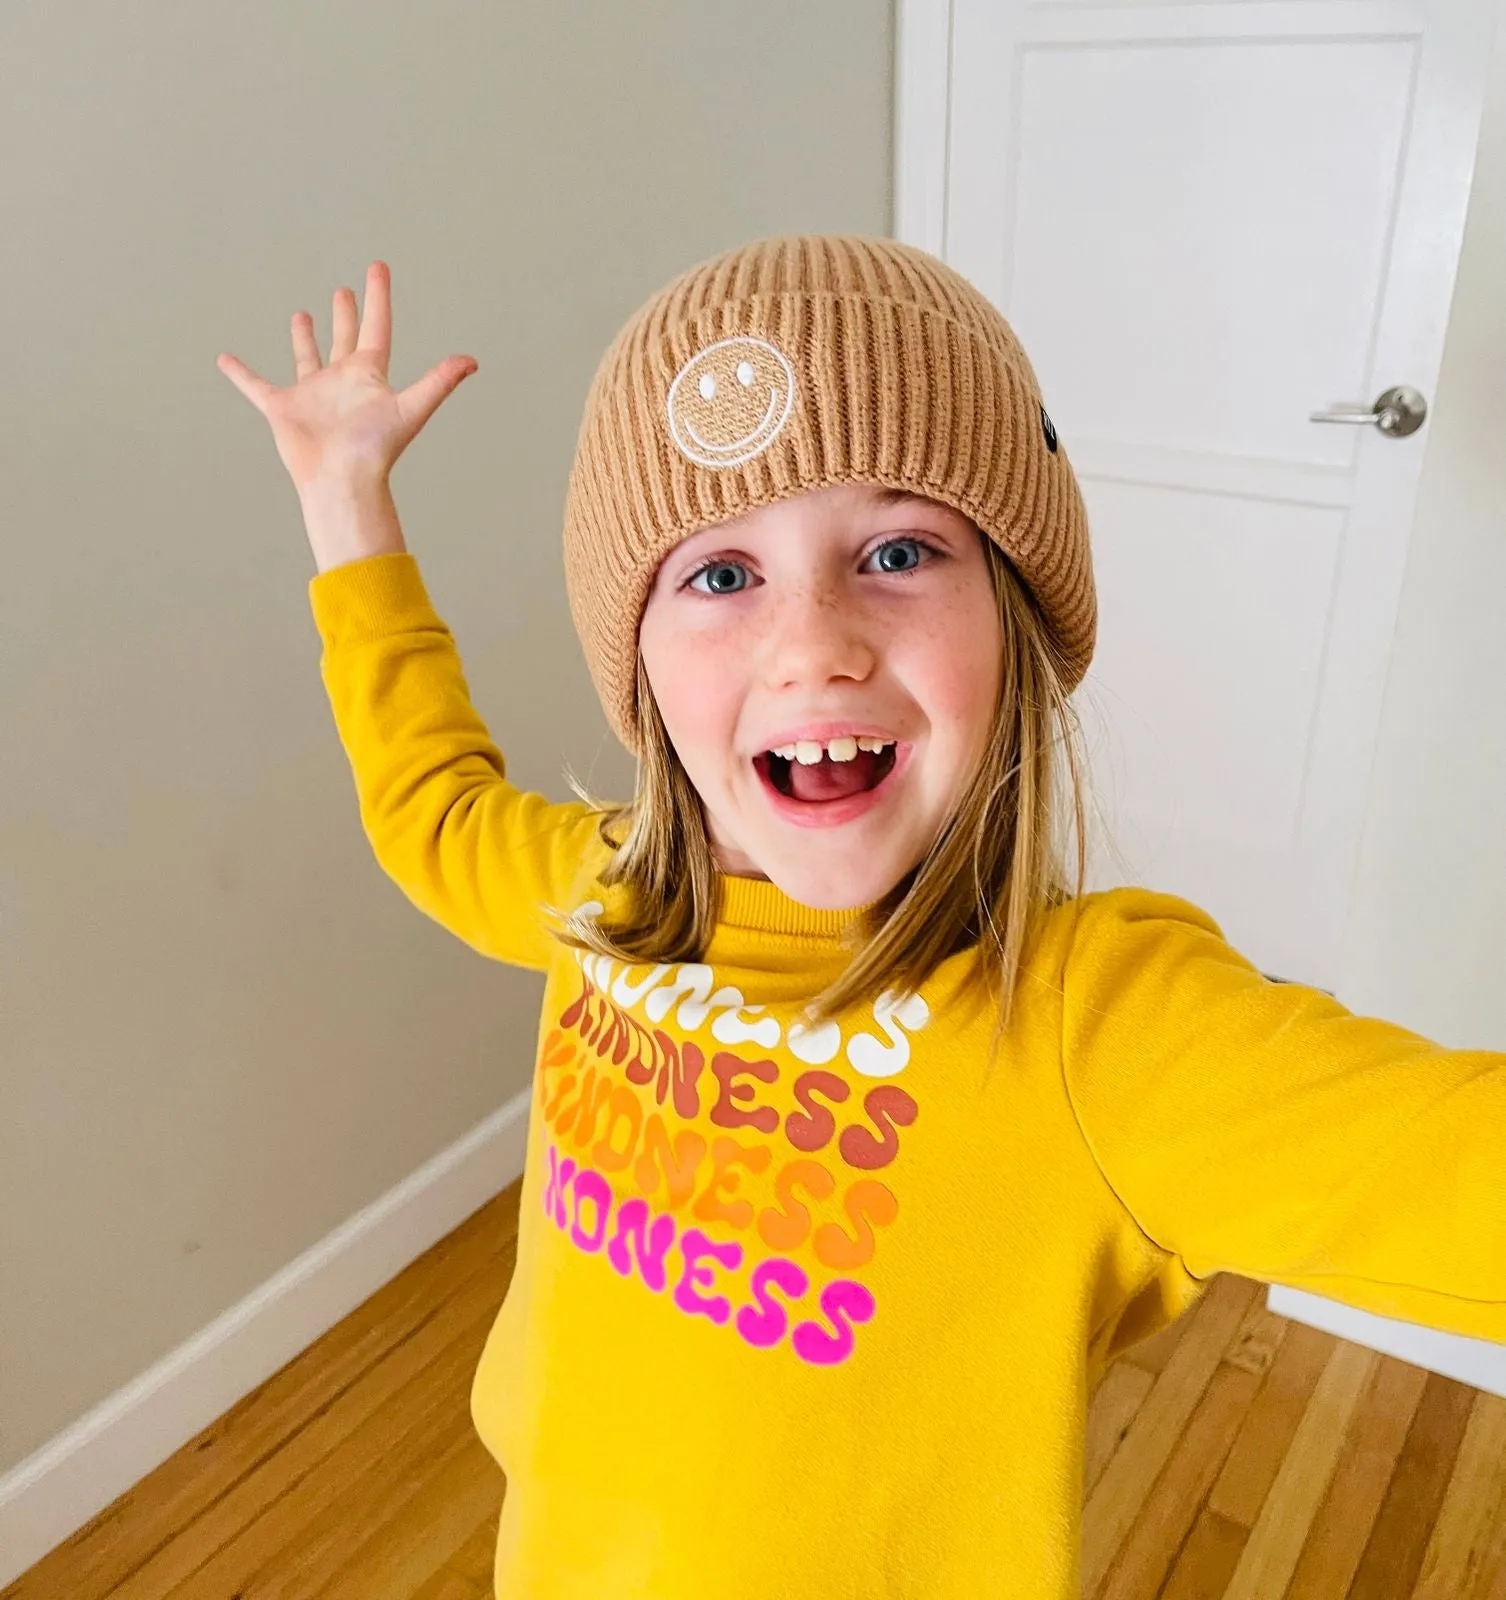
(831, 780)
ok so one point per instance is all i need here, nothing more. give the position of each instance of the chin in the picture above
(838, 880)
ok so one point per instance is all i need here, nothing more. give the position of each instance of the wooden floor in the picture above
(1236, 1456)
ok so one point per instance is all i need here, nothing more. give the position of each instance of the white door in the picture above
(1208, 221)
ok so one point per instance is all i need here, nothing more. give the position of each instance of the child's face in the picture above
(795, 623)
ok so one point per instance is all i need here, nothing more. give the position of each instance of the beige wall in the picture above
(1428, 942)
(222, 1030)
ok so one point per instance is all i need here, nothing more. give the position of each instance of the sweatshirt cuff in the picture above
(371, 599)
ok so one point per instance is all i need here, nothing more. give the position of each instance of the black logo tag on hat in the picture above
(1049, 429)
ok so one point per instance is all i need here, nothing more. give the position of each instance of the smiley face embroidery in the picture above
(729, 401)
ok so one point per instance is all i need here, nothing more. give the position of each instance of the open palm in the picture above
(343, 422)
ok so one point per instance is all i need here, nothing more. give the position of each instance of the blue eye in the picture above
(720, 576)
(896, 547)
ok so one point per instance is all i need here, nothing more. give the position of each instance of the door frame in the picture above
(922, 121)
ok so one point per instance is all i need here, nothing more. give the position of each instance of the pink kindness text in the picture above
(578, 1200)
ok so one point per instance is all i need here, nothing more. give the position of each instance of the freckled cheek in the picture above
(698, 690)
(953, 671)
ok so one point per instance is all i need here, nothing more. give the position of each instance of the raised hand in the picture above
(339, 428)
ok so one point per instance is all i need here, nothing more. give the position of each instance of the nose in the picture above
(815, 636)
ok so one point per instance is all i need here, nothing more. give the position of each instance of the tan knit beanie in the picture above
(790, 364)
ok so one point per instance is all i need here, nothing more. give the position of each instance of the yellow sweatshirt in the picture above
(817, 1313)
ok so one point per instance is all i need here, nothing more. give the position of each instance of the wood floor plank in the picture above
(365, 1509)
(447, 1585)
(1207, 1561)
(1490, 1584)
(1271, 1552)
(303, 1537)
(1335, 1542)
(1251, 1469)
(1473, 1509)
(1127, 1480)
(1152, 1354)
(1393, 1553)
(419, 1538)
(461, 1317)
(126, 1534)
(1166, 1518)
(1115, 1402)
(1260, 1337)
(476, 1558)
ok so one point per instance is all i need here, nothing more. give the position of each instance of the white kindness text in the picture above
(690, 990)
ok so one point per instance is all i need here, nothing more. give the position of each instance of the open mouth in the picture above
(818, 774)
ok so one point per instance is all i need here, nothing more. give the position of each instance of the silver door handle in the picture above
(1396, 413)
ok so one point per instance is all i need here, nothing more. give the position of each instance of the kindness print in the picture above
(757, 1202)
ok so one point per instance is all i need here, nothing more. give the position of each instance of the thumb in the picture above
(420, 400)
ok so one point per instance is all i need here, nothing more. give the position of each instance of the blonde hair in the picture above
(994, 866)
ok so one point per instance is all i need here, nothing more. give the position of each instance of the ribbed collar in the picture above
(762, 907)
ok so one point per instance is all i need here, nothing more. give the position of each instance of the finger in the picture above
(257, 390)
(376, 321)
(344, 339)
(420, 400)
(305, 350)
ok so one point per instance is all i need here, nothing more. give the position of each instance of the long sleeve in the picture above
(1260, 1128)
(466, 845)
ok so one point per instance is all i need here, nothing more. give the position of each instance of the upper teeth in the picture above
(809, 751)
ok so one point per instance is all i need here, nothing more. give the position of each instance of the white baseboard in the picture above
(56, 1490)
(1477, 1362)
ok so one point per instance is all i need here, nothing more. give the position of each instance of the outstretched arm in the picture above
(468, 847)
(465, 844)
(1260, 1128)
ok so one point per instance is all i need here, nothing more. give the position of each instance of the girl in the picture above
(861, 1139)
